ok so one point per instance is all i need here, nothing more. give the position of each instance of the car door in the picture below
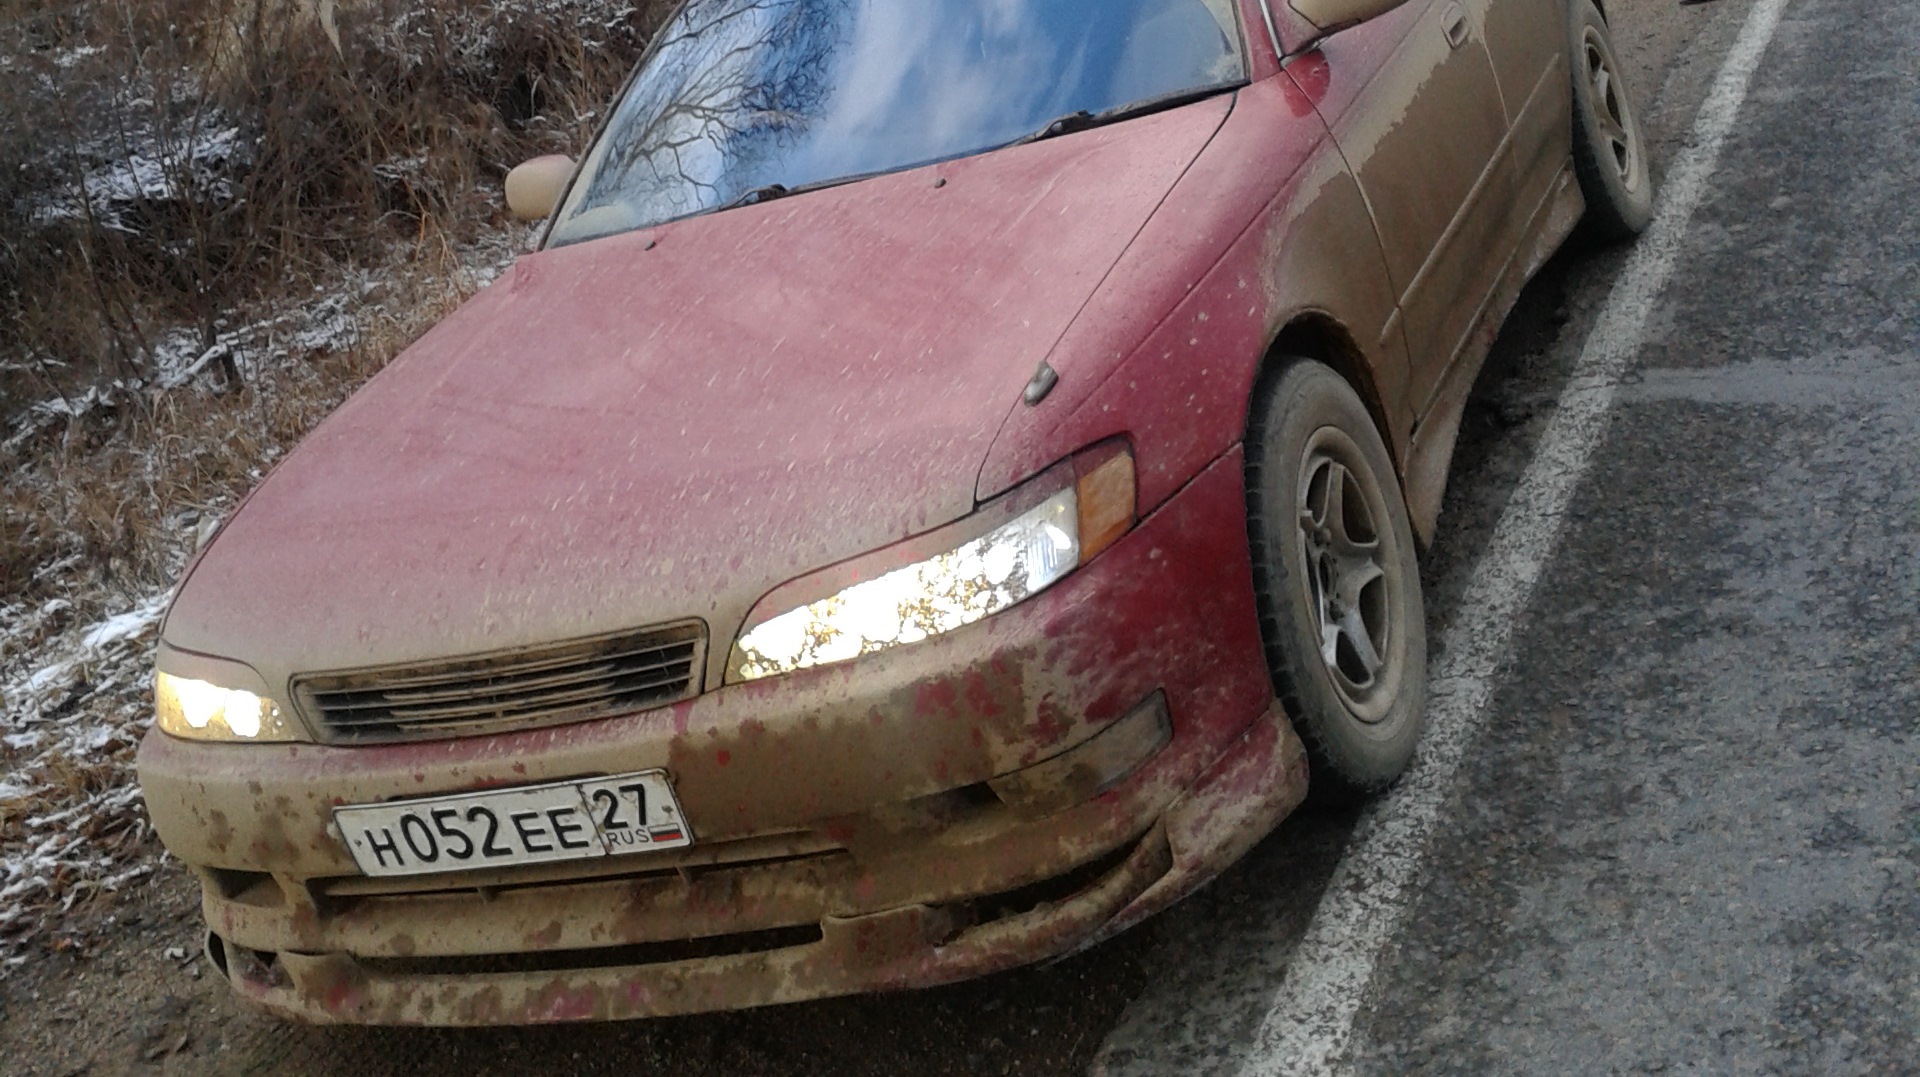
(1527, 41)
(1413, 103)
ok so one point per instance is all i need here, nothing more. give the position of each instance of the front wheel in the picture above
(1338, 580)
(1609, 149)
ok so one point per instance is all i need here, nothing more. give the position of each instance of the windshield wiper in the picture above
(764, 193)
(1064, 125)
(1079, 120)
(1083, 120)
(767, 192)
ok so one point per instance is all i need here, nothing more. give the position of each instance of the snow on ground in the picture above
(334, 321)
(74, 701)
(141, 163)
(180, 356)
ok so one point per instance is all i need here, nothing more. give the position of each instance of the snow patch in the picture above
(66, 58)
(74, 702)
(126, 625)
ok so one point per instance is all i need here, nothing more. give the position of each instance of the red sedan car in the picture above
(950, 475)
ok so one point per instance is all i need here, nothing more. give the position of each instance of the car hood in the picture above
(667, 424)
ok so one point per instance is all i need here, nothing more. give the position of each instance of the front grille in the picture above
(569, 682)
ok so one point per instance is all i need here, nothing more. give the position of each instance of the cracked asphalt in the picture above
(1688, 839)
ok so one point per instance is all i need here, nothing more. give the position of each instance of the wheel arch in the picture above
(1318, 335)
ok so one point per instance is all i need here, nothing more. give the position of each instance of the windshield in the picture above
(738, 96)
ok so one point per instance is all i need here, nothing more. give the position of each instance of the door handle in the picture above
(1454, 22)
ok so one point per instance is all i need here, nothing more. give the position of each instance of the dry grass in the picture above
(174, 160)
(121, 492)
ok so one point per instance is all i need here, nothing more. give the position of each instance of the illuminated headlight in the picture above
(197, 710)
(950, 590)
(942, 593)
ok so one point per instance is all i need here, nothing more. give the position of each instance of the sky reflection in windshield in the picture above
(741, 94)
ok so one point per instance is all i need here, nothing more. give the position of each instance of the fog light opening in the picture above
(1096, 766)
(216, 952)
(1151, 729)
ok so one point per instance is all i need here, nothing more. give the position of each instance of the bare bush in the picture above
(179, 160)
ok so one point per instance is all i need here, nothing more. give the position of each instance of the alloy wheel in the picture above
(1349, 576)
(1612, 114)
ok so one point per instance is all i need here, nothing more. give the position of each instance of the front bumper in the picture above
(995, 796)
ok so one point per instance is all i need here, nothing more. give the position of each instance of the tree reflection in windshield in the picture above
(739, 95)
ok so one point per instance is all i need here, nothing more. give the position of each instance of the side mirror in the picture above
(1330, 15)
(534, 187)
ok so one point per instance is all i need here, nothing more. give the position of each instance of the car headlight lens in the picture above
(197, 710)
(953, 589)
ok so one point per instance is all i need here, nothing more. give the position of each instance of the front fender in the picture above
(1266, 226)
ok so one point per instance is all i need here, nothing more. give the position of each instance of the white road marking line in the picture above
(1310, 1024)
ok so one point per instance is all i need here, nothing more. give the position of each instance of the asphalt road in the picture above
(1687, 835)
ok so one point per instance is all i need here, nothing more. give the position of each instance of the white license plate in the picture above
(627, 813)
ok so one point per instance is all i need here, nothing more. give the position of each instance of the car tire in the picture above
(1337, 579)
(1609, 148)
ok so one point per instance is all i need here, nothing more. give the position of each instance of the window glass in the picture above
(739, 95)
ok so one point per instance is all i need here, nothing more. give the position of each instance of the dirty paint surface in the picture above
(611, 436)
(718, 417)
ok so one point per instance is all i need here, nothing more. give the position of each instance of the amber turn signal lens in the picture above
(1106, 495)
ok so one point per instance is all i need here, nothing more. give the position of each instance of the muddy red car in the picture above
(949, 478)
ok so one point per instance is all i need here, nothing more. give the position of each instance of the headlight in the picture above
(949, 590)
(197, 710)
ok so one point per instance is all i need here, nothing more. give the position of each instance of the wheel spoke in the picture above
(1354, 627)
(1353, 580)
(1337, 508)
(1334, 517)
(1350, 549)
(1617, 131)
(1609, 111)
(1341, 540)
(1612, 126)
(1622, 149)
(1313, 537)
(1329, 640)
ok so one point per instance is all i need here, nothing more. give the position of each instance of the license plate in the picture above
(617, 816)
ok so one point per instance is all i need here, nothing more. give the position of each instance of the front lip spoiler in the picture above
(911, 946)
(1255, 783)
